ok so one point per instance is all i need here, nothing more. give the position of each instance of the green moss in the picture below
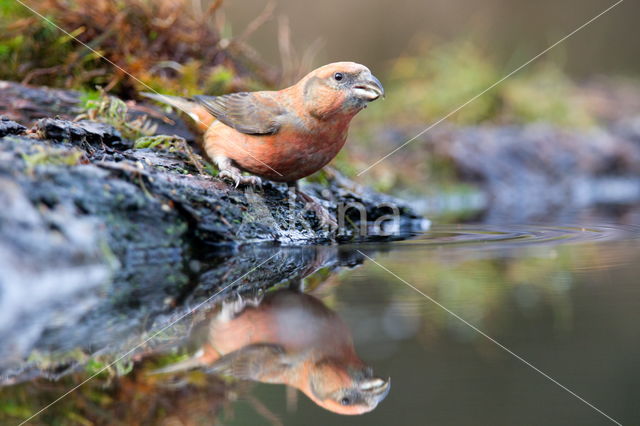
(127, 33)
(159, 142)
(89, 99)
(93, 366)
(113, 111)
(219, 80)
(319, 177)
(51, 156)
(167, 359)
(176, 144)
(13, 409)
(34, 50)
(208, 167)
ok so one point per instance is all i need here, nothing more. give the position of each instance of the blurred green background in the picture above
(377, 32)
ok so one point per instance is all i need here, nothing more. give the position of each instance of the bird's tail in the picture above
(188, 364)
(197, 112)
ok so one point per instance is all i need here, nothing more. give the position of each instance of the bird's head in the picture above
(340, 88)
(346, 390)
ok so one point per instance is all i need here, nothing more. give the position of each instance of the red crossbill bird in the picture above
(282, 135)
(290, 338)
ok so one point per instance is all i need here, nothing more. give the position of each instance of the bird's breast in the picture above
(293, 153)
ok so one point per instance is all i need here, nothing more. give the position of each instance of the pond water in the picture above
(460, 325)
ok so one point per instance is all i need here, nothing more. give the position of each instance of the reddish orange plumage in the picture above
(283, 135)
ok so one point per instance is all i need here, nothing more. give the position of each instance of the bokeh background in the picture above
(377, 32)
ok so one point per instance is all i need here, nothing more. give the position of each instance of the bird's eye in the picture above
(338, 76)
(345, 401)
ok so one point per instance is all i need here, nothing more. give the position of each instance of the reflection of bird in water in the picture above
(294, 339)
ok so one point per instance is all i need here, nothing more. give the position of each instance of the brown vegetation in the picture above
(175, 46)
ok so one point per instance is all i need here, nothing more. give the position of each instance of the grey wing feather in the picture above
(246, 112)
(251, 362)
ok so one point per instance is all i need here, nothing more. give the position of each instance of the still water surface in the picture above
(564, 299)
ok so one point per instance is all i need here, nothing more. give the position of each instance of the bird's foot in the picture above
(238, 179)
(324, 217)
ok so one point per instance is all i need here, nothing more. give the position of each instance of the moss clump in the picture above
(113, 111)
(174, 144)
(173, 46)
(167, 142)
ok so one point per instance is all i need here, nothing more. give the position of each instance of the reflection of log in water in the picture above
(288, 337)
(146, 297)
(153, 297)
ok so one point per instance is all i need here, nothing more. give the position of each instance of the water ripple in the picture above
(522, 234)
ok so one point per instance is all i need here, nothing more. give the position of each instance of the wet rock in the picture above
(79, 132)
(47, 256)
(531, 170)
(526, 173)
(8, 127)
(25, 104)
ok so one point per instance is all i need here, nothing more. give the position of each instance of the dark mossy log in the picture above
(154, 197)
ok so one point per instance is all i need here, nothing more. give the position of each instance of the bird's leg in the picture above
(323, 215)
(231, 172)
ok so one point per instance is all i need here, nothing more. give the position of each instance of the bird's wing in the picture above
(246, 112)
(252, 362)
